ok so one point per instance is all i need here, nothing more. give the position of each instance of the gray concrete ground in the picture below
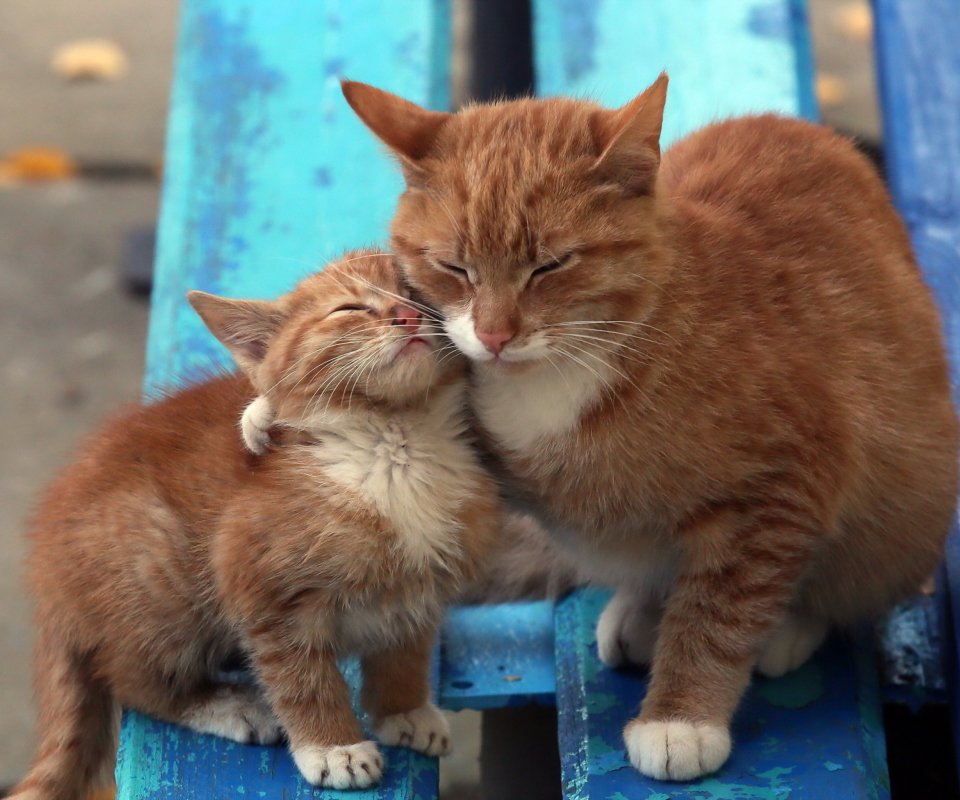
(71, 340)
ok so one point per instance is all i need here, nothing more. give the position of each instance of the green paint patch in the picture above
(599, 702)
(796, 689)
(832, 766)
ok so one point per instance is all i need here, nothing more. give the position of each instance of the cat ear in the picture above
(244, 327)
(630, 138)
(408, 130)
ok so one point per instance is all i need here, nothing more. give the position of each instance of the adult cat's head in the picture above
(342, 337)
(531, 224)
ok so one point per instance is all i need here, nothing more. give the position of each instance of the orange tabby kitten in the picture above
(718, 379)
(166, 546)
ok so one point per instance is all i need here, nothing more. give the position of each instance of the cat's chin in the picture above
(506, 366)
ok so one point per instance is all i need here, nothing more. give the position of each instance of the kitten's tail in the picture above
(77, 728)
(526, 565)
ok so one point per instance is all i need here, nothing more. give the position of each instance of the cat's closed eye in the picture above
(458, 271)
(552, 265)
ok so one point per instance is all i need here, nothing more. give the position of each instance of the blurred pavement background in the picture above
(72, 337)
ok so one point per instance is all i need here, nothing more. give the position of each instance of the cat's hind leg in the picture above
(396, 692)
(792, 642)
(236, 712)
(627, 629)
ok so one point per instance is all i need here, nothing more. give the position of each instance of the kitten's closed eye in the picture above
(353, 307)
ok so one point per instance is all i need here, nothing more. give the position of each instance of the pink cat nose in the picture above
(406, 317)
(494, 342)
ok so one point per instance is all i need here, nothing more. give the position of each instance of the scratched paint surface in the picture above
(724, 57)
(814, 733)
(158, 760)
(494, 656)
(918, 66)
(268, 172)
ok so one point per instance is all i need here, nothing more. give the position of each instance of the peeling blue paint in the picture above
(771, 20)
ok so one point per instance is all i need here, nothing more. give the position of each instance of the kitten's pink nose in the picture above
(494, 342)
(406, 317)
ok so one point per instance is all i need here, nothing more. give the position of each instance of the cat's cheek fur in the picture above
(424, 729)
(676, 751)
(460, 328)
(350, 766)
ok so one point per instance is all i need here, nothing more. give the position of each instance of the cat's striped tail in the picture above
(77, 726)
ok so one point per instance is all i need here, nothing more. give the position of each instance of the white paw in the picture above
(424, 729)
(347, 766)
(255, 425)
(240, 713)
(676, 751)
(627, 631)
(790, 645)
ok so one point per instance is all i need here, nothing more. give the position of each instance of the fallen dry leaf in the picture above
(90, 59)
(855, 20)
(831, 90)
(34, 164)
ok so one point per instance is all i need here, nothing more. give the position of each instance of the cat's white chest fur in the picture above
(414, 468)
(519, 408)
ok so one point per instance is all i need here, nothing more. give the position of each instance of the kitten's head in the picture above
(347, 335)
(531, 224)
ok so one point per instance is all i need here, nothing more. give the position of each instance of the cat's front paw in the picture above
(676, 751)
(627, 631)
(239, 713)
(424, 729)
(348, 766)
(255, 425)
(790, 645)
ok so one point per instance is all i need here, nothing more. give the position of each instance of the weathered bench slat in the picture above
(812, 734)
(496, 656)
(268, 173)
(725, 59)
(918, 66)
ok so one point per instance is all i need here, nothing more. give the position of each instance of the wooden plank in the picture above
(158, 761)
(496, 656)
(268, 171)
(814, 733)
(268, 174)
(725, 57)
(918, 67)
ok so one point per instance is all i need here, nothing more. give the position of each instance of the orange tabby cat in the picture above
(166, 546)
(718, 379)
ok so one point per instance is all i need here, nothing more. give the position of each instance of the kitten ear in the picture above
(408, 130)
(244, 327)
(630, 138)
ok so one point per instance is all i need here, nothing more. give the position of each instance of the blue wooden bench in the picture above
(268, 174)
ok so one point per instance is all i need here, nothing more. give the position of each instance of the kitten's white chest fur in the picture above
(519, 408)
(414, 468)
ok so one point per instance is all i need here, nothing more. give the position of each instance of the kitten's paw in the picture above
(255, 425)
(348, 766)
(790, 645)
(424, 729)
(239, 713)
(627, 631)
(676, 751)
